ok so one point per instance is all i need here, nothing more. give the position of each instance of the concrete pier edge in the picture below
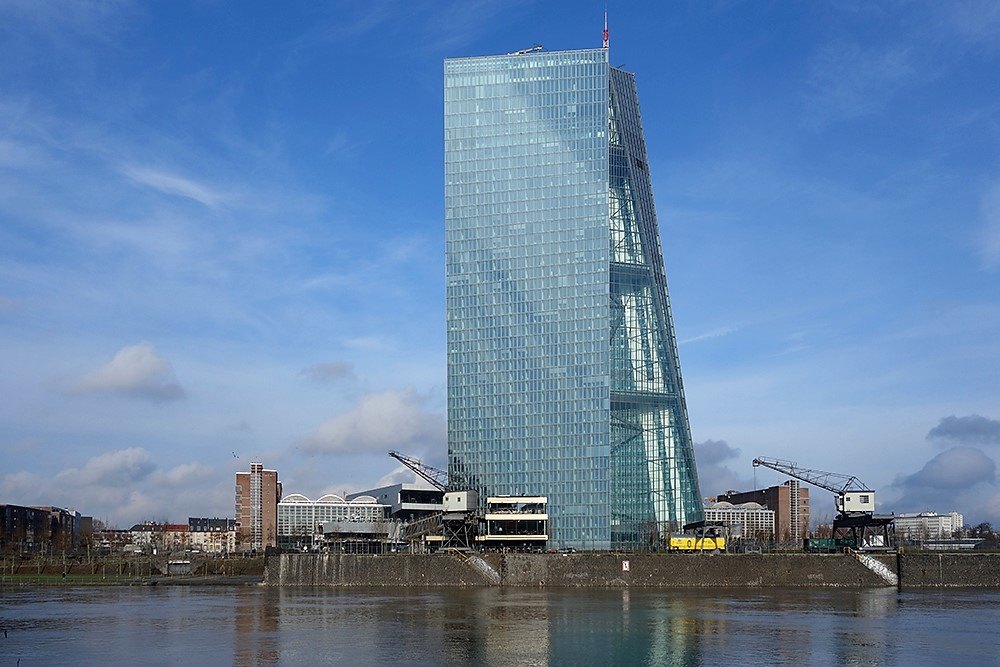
(792, 570)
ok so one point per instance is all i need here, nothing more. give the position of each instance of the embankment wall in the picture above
(583, 570)
(687, 571)
(922, 570)
(926, 570)
(365, 570)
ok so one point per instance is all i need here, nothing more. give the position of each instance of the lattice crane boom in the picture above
(437, 478)
(831, 481)
(856, 521)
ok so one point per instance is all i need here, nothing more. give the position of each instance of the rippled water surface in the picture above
(256, 625)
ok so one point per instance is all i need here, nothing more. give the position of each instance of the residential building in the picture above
(46, 528)
(563, 373)
(301, 521)
(748, 521)
(24, 529)
(204, 524)
(176, 536)
(790, 503)
(924, 526)
(212, 536)
(257, 496)
(147, 536)
(407, 501)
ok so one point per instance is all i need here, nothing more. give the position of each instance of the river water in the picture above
(293, 626)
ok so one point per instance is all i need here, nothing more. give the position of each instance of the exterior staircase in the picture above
(878, 567)
(478, 563)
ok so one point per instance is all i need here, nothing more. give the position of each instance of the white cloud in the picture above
(401, 475)
(379, 422)
(126, 486)
(970, 430)
(714, 476)
(956, 468)
(185, 474)
(709, 335)
(960, 479)
(178, 186)
(137, 371)
(117, 468)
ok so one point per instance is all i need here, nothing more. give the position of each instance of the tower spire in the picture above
(606, 40)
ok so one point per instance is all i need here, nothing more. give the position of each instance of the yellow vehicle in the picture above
(693, 543)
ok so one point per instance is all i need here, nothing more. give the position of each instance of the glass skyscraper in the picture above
(563, 377)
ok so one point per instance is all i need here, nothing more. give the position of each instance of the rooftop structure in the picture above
(407, 501)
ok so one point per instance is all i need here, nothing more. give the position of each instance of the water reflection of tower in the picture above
(866, 638)
(633, 627)
(489, 626)
(255, 625)
(517, 628)
(684, 626)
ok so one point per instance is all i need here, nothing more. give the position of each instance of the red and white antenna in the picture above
(606, 40)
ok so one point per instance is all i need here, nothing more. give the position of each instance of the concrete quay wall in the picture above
(791, 570)
(581, 570)
(687, 571)
(364, 570)
(928, 570)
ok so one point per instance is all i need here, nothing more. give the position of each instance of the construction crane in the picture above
(856, 519)
(437, 478)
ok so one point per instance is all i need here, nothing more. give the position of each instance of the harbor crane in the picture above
(855, 502)
(457, 523)
(437, 478)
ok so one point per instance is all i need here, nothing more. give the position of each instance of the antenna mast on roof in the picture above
(606, 40)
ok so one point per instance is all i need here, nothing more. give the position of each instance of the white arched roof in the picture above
(295, 498)
(751, 506)
(330, 498)
(364, 500)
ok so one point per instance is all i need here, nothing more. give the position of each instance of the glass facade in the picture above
(562, 363)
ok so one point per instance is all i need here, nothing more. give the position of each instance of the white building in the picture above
(923, 526)
(214, 541)
(146, 536)
(747, 520)
(407, 501)
(300, 520)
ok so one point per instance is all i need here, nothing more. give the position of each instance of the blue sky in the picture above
(221, 232)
